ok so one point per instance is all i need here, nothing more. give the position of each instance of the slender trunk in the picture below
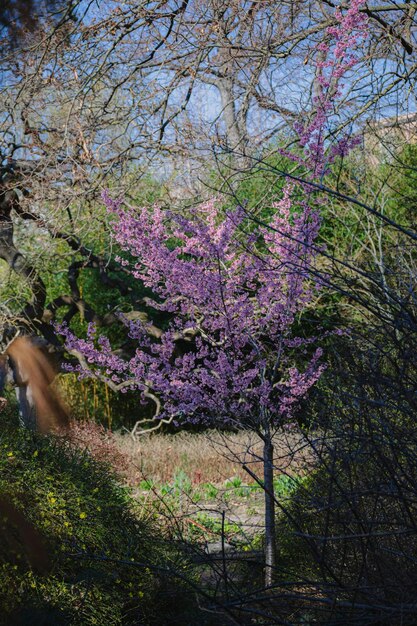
(270, 538)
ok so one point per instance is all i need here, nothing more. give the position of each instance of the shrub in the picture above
(100, 443)
(350, 527)
(72, 548)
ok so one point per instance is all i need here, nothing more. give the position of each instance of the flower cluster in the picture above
(336, 55)
(232, 298)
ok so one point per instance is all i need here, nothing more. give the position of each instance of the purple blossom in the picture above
(335, 57)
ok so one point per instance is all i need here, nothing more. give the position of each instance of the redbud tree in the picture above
(232, 288)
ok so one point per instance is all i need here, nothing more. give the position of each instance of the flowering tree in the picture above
(231, 289)
(232, 296)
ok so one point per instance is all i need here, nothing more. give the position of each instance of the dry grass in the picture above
(100, 443)
(211, 456)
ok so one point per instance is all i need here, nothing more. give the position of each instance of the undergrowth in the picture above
(73, 550)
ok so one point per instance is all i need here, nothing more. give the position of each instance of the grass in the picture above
(75, 546)
(195, 484)
(202, 512)
(185, 487)
(208, 458)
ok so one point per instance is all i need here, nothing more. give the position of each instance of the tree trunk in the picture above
(27, 412)
(236, 136)
(270, 538)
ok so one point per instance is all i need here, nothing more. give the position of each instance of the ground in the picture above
(199, 480)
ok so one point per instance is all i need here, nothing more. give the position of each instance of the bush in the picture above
(73, 550)
(348, 537)
(101, 444)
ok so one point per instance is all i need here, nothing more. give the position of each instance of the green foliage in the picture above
(146, 190)
(92, 399)
(215, 526)
(210, 491)
(403, 183)
(182, 483)
(234, 482)
(259, 187)
(146, 485)
(286, 485)
(104, 566)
